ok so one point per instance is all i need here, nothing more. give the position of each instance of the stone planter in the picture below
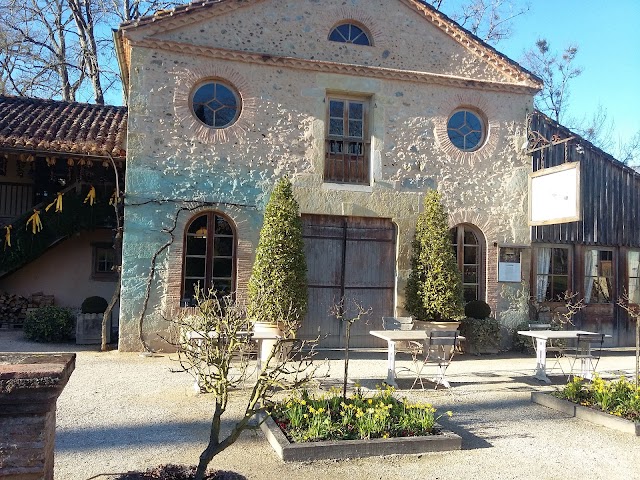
(586, 413)
(305, 452)
(29, 388)
(89, 329)
(268, 333)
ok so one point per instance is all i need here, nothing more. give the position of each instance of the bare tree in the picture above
(556, 70)
(213, 345)
(490, 20)
(37, 59)
(633, 310)
(63, 48)
(350, 317)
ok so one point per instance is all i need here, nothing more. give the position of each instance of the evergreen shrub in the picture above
(49, 324)
(434, 286)
(477, 309)
(94, 304)
(278, 284)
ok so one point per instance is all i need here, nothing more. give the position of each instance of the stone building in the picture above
(364, 105)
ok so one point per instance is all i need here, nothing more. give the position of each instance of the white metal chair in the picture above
(439, 350)
(588, 351)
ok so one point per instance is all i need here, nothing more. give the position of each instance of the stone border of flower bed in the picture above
(586, 413)
(341, 449)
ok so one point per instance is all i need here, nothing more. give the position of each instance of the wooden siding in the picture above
(610, 192)
(15, 199)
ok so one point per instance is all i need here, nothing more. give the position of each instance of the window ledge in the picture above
(347, 187)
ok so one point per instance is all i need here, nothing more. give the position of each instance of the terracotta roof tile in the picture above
(65, 127)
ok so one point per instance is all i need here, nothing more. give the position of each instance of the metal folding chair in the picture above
(588, 351)
(439, 350)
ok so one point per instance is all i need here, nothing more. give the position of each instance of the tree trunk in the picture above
(107, 315)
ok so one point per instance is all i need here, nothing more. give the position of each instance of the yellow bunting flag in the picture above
(34, 220)
(7, 236)
(91, 196)
(57, 202)
(114, 199)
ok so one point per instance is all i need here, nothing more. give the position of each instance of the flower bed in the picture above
(306, 428)
(612, 404)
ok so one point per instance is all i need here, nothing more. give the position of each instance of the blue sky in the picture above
(608, 37)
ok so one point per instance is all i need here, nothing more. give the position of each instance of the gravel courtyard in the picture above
(124, 411)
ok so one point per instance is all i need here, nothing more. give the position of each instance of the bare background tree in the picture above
(63, 48)
(490, 20)
(557, 70)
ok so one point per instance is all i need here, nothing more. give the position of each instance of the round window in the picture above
(216, 104)
(466, 130)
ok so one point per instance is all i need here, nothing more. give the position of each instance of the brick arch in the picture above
(483, 225)
(475, 102)
(243, 258)
(358, 15)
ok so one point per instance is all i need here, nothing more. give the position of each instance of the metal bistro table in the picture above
(394, 336)
(541, 337)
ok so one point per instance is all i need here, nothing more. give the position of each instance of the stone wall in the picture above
(176, 166)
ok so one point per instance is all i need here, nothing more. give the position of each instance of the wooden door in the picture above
(352, 258)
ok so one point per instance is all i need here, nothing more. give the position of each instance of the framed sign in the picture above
(509, 264)
(554, 195)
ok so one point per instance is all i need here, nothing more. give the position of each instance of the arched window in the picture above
(209, 256)
(468, 246)
(349, 33)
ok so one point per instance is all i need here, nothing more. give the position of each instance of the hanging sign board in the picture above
(554, 195)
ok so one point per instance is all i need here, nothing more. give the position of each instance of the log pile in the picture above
(14, 308)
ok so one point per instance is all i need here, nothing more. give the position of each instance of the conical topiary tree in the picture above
(434, 287)
(278, 283)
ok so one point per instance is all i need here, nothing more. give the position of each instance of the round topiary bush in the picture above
(94, 305)
(477, 309)
(49, 324)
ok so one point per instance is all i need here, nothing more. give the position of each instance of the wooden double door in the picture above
(352, 258)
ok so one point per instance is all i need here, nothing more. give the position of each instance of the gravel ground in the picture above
(124, 411)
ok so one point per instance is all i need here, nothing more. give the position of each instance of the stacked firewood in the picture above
(14, 308)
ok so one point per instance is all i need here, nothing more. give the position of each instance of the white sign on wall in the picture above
(509, 264)
(554, 195)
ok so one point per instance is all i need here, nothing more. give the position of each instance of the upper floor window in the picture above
(598, 276)
(466, 130)
(209, 253)
(216, 104)
(349, 33)
(347, 145)
(633, 269)
(552, 273)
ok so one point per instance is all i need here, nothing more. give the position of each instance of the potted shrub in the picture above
(481, 330)
(434, 288)
(277, 291)
(89, 321)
